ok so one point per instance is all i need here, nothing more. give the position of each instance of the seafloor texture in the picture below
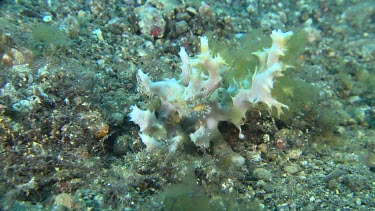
(68, 79)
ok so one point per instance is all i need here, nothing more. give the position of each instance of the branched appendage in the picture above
(140, 83)
(262, 85)
(194, 75)
(270, 67)
(139, 86)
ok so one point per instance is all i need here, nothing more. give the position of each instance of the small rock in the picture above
(191, 10)
(262, 174)
(181, 27)
(292, 169)
(151, 21)
(69, 202)
(121, 145)
(358, 201)
(205, 10)
(294, 154)
(47, 18)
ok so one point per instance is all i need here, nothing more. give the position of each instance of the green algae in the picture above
(238, 52)
(49, 34)
(298, 95)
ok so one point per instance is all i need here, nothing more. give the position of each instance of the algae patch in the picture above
(49, 34)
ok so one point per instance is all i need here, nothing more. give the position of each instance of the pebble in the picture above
(181, 27)
(292, 169)
(69, 202)
(191, 10)
(47, 18)
(262, 174)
